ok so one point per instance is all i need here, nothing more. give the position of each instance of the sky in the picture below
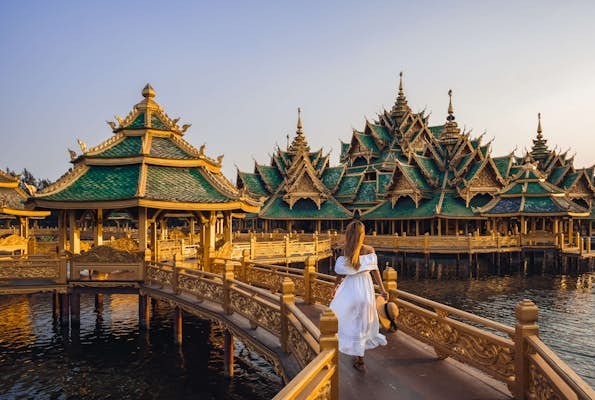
(237, 71)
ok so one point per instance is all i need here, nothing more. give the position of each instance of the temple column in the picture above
(456, 227)
(416, 227)
(289, 226)
(439, 227)
(318, 226)
(523, 226)
(533, 224)
(98, 240)
(446, 227)
(570, 230)
(74, 234)
(590, 228)
(227, 228)
(61, 232)
(142, 228)
(210, 235)
(154, 242)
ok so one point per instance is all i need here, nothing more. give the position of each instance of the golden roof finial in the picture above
(401, 83)
(299, 123)
(539, 123)
(148, 91)
(450, 107)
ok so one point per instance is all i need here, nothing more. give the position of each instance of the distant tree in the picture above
(28, 178)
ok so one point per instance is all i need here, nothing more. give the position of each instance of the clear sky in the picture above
(238, 70)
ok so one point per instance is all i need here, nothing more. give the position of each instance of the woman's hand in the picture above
(384, 294)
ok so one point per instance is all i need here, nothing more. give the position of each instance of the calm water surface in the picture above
(111, 359)
(566, 308)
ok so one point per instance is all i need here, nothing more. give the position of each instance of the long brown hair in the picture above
(354, 239)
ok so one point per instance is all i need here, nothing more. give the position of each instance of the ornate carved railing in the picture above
(315, 350)
(33, 269)
(286, 248)
(515, 356)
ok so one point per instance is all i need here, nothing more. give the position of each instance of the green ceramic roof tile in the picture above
(381, 132)
(139, 122)
(474, 143)
(280, 162)
(516, 188)
(569, 180)
(403, 209)
(156, 123)
(349, 185)
(367, 141)
(436, 130)
(416, 176)
(331, 176)
(253, 183)
(506, 205)
(344, 148)
(541, 205)
(165, 148)
(556, 175)
(539, 188)
(304, 209)
(502, 164)
(383, 182)
(366, 193)
(429, 165)
(270, 176)
(463, 161)
(130, 146)
(321, 163)
(181, 184)
(356, 170)
(100, 183)
(453, 206)
(473, 170)
(514, 170)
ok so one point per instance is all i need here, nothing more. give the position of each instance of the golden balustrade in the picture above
(33, 268)
(283, 248)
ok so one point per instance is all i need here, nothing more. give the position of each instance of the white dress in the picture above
(355, 306)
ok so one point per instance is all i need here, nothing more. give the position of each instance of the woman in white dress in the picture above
(354, 301)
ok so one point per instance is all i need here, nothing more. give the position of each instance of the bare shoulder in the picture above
(367, 249)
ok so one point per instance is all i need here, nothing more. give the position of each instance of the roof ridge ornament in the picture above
(401, 107)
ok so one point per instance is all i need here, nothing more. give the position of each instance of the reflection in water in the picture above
(566, 308)
(109, 357)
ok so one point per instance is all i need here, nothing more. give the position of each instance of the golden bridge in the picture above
(281, 313)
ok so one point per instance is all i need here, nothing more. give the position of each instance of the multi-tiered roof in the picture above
(297, 184)
(146, 163)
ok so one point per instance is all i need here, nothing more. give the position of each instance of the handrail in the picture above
(579, 387)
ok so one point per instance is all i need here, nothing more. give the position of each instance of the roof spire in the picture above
(450, 131)
(299, 122)
(539, 150)
(539, 124)
(451, 110)
(400, 108)
(148, 91)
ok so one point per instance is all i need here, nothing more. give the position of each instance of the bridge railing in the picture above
(32, 268)
(284, 248)
(315, 350)
(515, 356)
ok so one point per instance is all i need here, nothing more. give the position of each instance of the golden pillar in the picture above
(74, 233)
(98, 240)
(570, 230)
(142, 228)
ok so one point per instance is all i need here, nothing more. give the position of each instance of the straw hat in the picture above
(387, 314)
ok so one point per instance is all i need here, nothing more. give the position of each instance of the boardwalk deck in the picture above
(408, 369)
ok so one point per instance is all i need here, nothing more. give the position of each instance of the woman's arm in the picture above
(378, 279)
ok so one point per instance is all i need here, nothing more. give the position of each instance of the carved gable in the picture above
(485, 178)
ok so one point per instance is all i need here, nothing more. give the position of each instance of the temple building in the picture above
(298, 187)
(401, 175)
(147, 171)
(14, 215)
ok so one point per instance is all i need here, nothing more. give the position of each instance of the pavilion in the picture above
(149, 172)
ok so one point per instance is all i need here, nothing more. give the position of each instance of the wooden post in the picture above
(74, 234)
(142, 228)
(228, 350)
(99, 228)
(309, 269)
(329, 340)
(227, 285)
(389, 276)
(64, 308)
(287, 298)
(144, 311)
(178, 325)
(61, 231)
(154, 242)
(526, 315)
(99, 302)
(570, 231)
(75, 308)
(286, 238)
(252, 247)
(245, 265)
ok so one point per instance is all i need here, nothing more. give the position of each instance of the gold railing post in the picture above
(175, 277)
(309, 269)
(396, 241)
(526, 313)
(588, 239)
(287, 297)
(287, 254)
(62, 267)
(227, 285)
(252, 247)
(245, 264)
(389, 276)
(330, 341)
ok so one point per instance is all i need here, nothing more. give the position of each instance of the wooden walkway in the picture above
(409, 369)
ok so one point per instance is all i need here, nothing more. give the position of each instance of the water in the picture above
(110, 358)
(566, 308)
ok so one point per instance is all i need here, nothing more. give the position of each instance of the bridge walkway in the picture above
(408, 369)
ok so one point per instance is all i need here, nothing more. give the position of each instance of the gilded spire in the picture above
(451, 110)
(450, 131)
(539, 151)
(299, 122)
(539, 124)
(400, 108)
(148, 91)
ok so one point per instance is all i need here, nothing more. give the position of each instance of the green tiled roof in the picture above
(464, 161)
(276, 208)
(436, 130)
(415, 175)
(11, 198)
(473, 170)
(349, 185)
(429, 165)
(557, 174)
(181, 184)
(280, 162)
(331, 176)
(100, 183)
(367, 141)
(130, 146)
(383, 181)
(344, 148)
(382, 132)
(453, 206)
(156, 123)
(165, 148)
(502, 164)
(270, 175)
(253, 183)
(366, 193)
(139, 122)
(569, 180)
(404, 209)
